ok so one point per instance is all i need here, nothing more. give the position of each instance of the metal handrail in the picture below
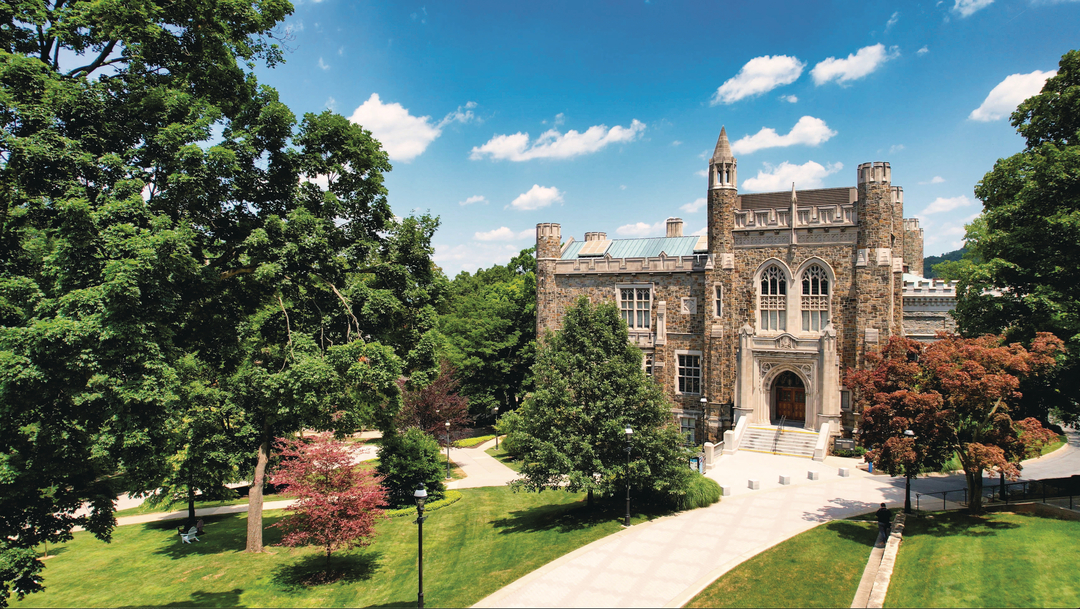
(779, 430)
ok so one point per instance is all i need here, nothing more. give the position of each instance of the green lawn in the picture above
(474, 441)
(506, 459)
(182, 507)
(819, 568)
(471, 549)
(997, 560)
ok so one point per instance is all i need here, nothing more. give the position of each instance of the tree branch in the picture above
(344, 303)
(288, 329)
(97, 63)
(234, 272)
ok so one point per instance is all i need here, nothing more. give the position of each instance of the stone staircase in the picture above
(789, 441)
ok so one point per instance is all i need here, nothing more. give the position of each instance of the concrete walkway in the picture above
(481, 469)
(668, 561)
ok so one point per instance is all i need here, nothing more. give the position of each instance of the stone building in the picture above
(758, 318)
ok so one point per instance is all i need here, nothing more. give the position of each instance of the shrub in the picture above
(699, 492)
(451, 498)
(858, 451)
(507, 425)
(407, 459)
(471, 442)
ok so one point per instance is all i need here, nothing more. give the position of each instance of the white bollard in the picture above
(785, 480)
(755, 485)
(844, 472)
(725, 491)
(811, 475)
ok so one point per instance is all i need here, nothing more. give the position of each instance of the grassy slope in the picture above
(505, 458)
(999, 560)
(819, 568)
(473, 548)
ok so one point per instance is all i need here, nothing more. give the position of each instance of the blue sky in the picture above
(601, 116)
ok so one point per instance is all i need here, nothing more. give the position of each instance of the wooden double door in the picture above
(790, 397)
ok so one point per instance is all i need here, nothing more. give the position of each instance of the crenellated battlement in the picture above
(806, 217)
(876, 172)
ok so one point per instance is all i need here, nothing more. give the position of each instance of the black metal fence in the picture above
(1061, 491)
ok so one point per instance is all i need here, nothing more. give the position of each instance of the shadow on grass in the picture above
(854, 530)
(53, 551)
(199, 598)
(571, 517)
(838, 508)
(312, 570)
(222, 533)
(955, 524)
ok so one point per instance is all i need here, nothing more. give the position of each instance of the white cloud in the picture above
(934, 180)
(1005, 97)
(331, 103)
(967, 8)
(474, 199)
(892, 21)
(537, 197)
(895, 148)
(322, 64)
(473, 255)
(554, 145)
(403, 135)
(641, 229)
(923, 51)
(942, 204)
(503, 234)
(701, 231)
(676, 143)
(693, 206)
(704, 173)
(780, 177)
(341, 51)
(809, 131)
(857, 65)
(791, 99)
(759, 75)
(622, 186)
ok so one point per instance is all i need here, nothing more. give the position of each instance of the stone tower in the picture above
(877, 312)
(548, 250)
(720, 327)
(913, 246)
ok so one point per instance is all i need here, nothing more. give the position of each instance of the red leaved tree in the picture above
(431, 407)
(955, 395)
(338, 503)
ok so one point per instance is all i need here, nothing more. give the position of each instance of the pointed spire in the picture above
(793, 197)
(723, 148)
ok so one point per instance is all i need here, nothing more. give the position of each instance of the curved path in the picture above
(666, 562)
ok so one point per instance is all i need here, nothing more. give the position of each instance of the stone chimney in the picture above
(674, 227)
(595, 236)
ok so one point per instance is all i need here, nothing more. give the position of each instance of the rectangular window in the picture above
(635, 305)
(647, 363)
(688, 427)
(718, 301)
(689, 373)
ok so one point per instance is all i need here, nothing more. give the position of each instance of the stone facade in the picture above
(783, 293)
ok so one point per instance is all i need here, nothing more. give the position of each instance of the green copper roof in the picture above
(640, 248)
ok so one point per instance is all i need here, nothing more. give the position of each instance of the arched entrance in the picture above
(789, 397)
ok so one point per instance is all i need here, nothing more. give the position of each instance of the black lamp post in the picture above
(448, 450)
(496, 428)
(705, 420)
(629, 432)
(421, 495)
(907, 474)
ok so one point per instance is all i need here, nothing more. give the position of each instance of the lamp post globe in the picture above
(496, 428)
(907, 476)
(629, 433)
(420, 494)
(704, 419)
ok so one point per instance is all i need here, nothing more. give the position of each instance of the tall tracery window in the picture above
(815, 299)
(773, 304)
(636, 307)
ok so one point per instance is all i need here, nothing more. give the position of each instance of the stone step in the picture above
(790, 442)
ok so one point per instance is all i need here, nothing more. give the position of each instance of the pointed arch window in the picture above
(773, 299)
(815, 299)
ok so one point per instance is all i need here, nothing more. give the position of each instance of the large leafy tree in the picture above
(590, 387)
(957, 395)
(1021, 275)
(490, 329)
(169, 269)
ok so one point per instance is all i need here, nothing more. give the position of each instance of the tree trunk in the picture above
(255, 496)
(975, 488)
(588, 499)
(191, 503)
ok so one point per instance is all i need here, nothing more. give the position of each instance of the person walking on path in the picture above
(884, 523)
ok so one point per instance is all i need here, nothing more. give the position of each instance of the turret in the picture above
(548, 241)
(722, 165)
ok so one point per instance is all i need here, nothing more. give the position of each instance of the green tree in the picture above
(1022, 274)
(590, 387)
(490, 330)
(407, 459)
(161, 287)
